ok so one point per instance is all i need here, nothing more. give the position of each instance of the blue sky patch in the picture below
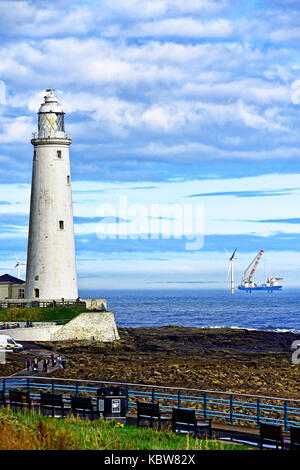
(167, 102)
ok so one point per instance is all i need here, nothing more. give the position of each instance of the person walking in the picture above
(35, 364)
(59, 361)
(28, 363)
(53, 360)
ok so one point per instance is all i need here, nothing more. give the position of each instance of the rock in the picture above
(191, 357)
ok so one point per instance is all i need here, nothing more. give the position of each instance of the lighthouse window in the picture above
(60, 122)
(34, 155)
(58, 153)
(68, 179)
(61, 224)
(36, 292)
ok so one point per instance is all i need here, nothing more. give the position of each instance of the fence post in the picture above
(153, 395)
(28, 387)
(179, 399)
(52, 387)
(205, 405)
(286, 417)
(77, 389)
(258, 412)
(231, 409)
(3, 387)
(127, 398)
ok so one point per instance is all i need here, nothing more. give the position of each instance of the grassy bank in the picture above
(39, 314)
(29, 431)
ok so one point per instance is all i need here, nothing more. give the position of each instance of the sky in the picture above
(184, 119)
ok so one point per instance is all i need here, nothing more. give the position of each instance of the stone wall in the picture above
(31, 334)
(94, 326)
(97, 304)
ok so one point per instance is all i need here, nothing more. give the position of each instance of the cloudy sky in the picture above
(184, 117)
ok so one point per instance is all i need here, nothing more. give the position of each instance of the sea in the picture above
(277, 311)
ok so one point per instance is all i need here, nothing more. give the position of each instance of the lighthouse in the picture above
(51, 264)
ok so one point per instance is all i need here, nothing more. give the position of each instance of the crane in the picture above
(254, 262)
(248, 285)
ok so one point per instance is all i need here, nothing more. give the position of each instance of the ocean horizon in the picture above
(213, 308)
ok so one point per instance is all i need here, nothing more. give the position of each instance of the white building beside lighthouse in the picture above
(51, 264)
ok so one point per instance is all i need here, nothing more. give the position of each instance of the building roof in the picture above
(12, 279)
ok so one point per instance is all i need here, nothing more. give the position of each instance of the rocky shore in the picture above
(14, 363)
(234, 360)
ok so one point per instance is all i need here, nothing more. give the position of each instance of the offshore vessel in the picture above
(248, 285)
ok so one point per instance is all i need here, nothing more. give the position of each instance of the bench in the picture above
(52, 403)
(82, 406)
(295, 438)
(186, 421)
(19, 400)
(149, 412)
(271, 434)
(2, 398)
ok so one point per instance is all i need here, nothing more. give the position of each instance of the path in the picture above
(41, 352)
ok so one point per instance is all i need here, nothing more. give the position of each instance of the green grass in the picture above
(40, 314)
(30, 431)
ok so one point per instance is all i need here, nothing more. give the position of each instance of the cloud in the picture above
(12, 218)
(247, 194)
(277, 221)
(282, 3)
(23, 18)
(88, 191)
(15, 130)
(137, 9)
(140, 245)
(175, 27)
(11, 244)
(2, 92)
(246, 243)
(92, 220)
(143, 187)
(258, 121)
(161, 90)
(13, 223)
(171, 117)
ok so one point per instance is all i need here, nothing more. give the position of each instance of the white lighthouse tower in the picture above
(51, 265)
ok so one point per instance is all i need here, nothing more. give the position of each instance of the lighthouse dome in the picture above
(51, 104)
(51, 117)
